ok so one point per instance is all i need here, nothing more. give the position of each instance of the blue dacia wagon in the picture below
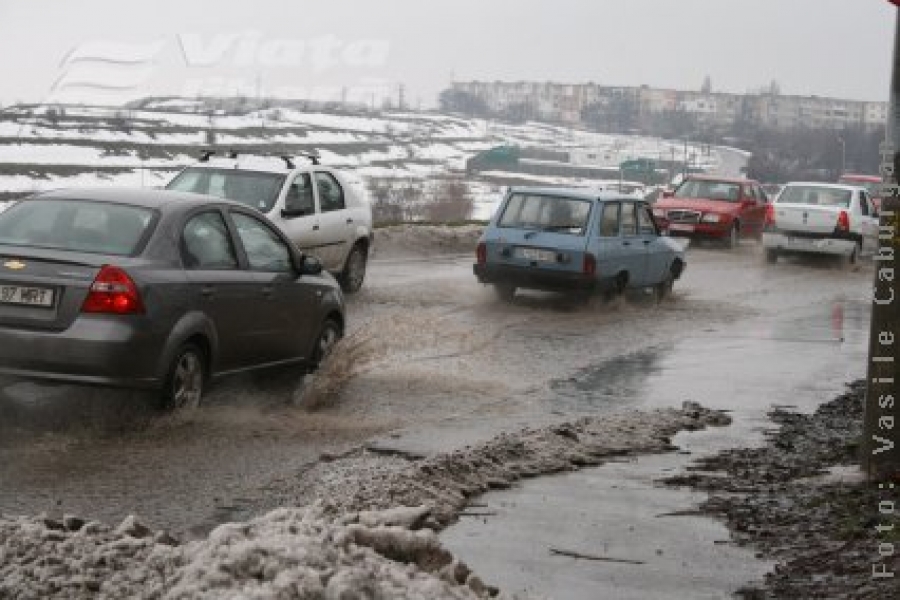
(575, 240)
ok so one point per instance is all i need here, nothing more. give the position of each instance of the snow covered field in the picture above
(47, 147)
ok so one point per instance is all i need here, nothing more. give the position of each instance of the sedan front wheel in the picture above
(328, 338)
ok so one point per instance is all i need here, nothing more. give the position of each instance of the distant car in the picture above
(712, 207)
(871, 183)
(575, 240)
(319, 208)
(821, 218)
(155, 289)
(772, 190)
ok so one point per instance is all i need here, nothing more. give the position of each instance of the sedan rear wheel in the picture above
(185, 380)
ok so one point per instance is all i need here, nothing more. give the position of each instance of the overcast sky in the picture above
(359, 47)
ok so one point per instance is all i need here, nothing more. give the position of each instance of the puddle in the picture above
(612, 511)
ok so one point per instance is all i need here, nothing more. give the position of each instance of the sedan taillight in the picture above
(843, 223)
(113, 291)
(481, 253)
(770, 215)
(589, 264)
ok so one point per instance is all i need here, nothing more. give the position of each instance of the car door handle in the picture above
(349, 221)
(646, 242)
(626, 243)
(315, 227)
(267, 291)
(207, 291)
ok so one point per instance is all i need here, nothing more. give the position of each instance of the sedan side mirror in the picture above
(310, 265)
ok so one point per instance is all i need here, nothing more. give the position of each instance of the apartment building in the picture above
(566, 103)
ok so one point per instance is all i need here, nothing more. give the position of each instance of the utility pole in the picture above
(881, 425)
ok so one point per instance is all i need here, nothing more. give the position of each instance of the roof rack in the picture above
(313, 157)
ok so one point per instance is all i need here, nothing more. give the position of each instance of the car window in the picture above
(815, 196)
(549, 213)
(609, 219)
(256, 189)
(77, 225)
(206, 243)
(299, 198)
(629, 219)
(265, 249)
(331, 194)
(646, 224)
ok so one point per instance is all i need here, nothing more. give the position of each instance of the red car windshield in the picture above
(712, 190)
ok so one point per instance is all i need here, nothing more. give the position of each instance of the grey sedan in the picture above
(155, 289)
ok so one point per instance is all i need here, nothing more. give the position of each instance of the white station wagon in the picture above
(319, 208)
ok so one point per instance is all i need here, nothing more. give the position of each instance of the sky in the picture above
(365, 50)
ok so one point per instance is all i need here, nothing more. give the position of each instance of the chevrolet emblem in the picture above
(15, 265)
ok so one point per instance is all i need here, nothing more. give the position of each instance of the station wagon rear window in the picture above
(815, 196)
(546, 213)
(76, 225)
(256, 189)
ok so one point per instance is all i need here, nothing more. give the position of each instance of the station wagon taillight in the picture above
(589, 264)
(843, 223)
(770, 214)
(481, 253)
(113, 291)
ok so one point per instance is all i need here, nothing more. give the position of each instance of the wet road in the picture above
(432, 362)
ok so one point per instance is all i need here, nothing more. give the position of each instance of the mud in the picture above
(801, 501)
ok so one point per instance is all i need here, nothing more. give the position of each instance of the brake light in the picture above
(113, 291)
(481, 253)
(770, 214)
(843, 221)
(589, 264)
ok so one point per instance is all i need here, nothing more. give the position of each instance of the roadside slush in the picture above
(801, 500)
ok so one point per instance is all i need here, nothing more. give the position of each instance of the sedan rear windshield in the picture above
(76, 225)
(548, 213)
(256, 189)
(712, 190)
(815, 196)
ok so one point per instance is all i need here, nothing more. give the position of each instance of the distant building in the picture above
(567, 103)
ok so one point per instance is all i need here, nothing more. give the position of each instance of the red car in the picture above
(711, 207)
(870, 183)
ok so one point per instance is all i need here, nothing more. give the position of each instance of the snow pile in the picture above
(366, 480)
(288, 553)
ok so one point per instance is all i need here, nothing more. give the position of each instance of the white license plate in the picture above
(680, 227)
(540, 255)
(30, 296)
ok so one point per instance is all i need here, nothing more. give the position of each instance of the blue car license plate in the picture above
(537, 254)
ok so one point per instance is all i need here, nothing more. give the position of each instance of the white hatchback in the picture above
(323, 211)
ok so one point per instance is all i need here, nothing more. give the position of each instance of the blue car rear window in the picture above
(547, 213)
